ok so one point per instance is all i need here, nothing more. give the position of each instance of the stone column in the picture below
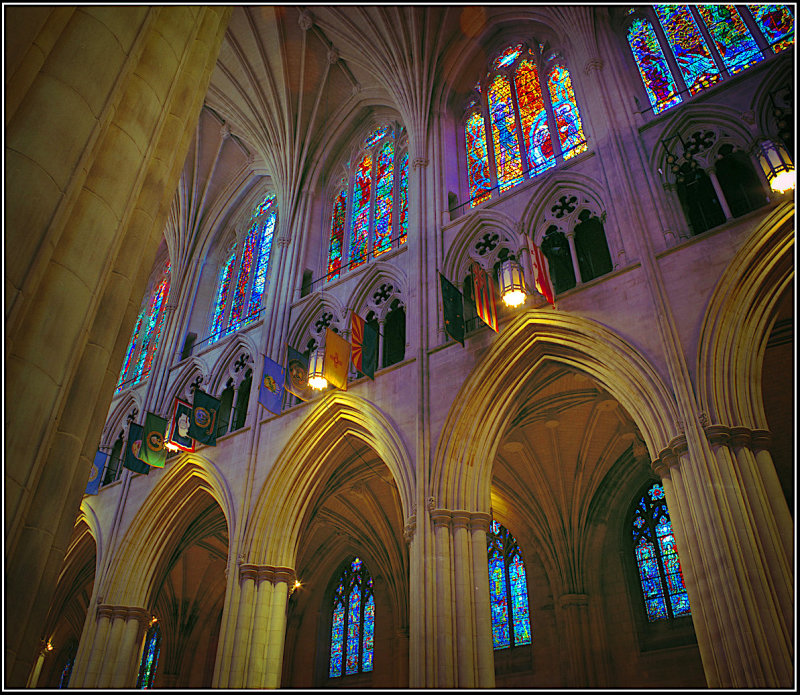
(574, 253)
(284, 577)
(712, 174)
(130, 646)
(484, 645)
(237, 677)
(37, 668)
(258, 640)
(95, 655)
(90, 205)
(462, 586)
(445, 609)
(736, 573)
(573, 609)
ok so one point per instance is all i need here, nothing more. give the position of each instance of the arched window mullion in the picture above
(544, 76)
(487, 129)
(755, 30)
(710, 43)
(666, 48)
(523, 149)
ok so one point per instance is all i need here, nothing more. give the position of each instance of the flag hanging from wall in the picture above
(337, 359)
(153, 451)
(203, 423)
(453, 305)
(485, 301)
(297, 374)
(540, 272)
(96, 472)
(179, 425)
(270, 393)
(364, 353)
(131, 460)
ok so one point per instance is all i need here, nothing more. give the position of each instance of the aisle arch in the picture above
(273, 536)
(737, 323)
(181, 494)
(462, 463)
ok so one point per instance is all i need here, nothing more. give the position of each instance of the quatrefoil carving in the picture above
(382, 293)
(487, 243)
(564, 206)
(324, 321)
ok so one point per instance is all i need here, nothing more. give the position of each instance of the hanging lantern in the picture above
(316, 380)
(512, 283)
(777, 166)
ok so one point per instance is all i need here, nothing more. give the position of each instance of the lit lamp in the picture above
(512, 283)
(316, 380)
(777, 166)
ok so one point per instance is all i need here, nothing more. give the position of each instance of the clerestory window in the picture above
(369, 216)
(680, 50)
(353, 622)
(521, 119)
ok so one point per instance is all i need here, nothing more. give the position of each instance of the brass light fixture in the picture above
(512, 283)
(777, 166)
(316, 362)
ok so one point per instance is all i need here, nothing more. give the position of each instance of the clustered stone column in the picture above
(740, 593)
(117, 640)
(465, 654)
(257, 650)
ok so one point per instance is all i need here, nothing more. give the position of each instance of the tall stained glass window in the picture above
(657, 558)
(520, 119)
(372, 203)
(707, 42)
(242, 278)
(508, 590)
(143, 345)
(353, 623)
(149, 662)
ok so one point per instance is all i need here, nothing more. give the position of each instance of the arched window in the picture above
(242, 278)
(371, 202)
(559, 259)
(66, 672)
(353, 622)
(698, 199)
(681, 50)
(225, 407)
(591, 247)
(508, 590)
(114, 464)
(657, 559)
(394, 328)
(149, 662)
(146, 334)
(242, 399)
(739, 182)
(521, 118)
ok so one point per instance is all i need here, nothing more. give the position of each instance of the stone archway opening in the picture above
(356, 511)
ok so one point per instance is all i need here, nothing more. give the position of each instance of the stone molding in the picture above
(269, 573)
(717, 435)
(573, 599)
(127, 612)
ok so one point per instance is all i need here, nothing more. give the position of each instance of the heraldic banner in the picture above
(270, 393)
(203, 425)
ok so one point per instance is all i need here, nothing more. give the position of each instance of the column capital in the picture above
(461, 518)
(593, 65)
(441, 517)
(480, 521)
(718, 434)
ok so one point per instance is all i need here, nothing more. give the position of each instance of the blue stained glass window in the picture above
(776, 23)
(657, 558)
(149, 662)
(66, 672)
(508, 590)
(237, 303)
(353, 622)
(143, 346)
(373, 218)
(733, 39)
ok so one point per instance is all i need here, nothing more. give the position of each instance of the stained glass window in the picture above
(146, 334)
(508, 590)
(679, 28)
(353, 622)
(777, 24)
(337, 235)
(688, 46)
(565, 110)
(237, 303)
(478, 176)
(149, 662)
(504, 134)
(377, 194)
(66, 672)
(520, 108)
(533, 118)
(733, 39)
(653, 67)
(657, 558)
